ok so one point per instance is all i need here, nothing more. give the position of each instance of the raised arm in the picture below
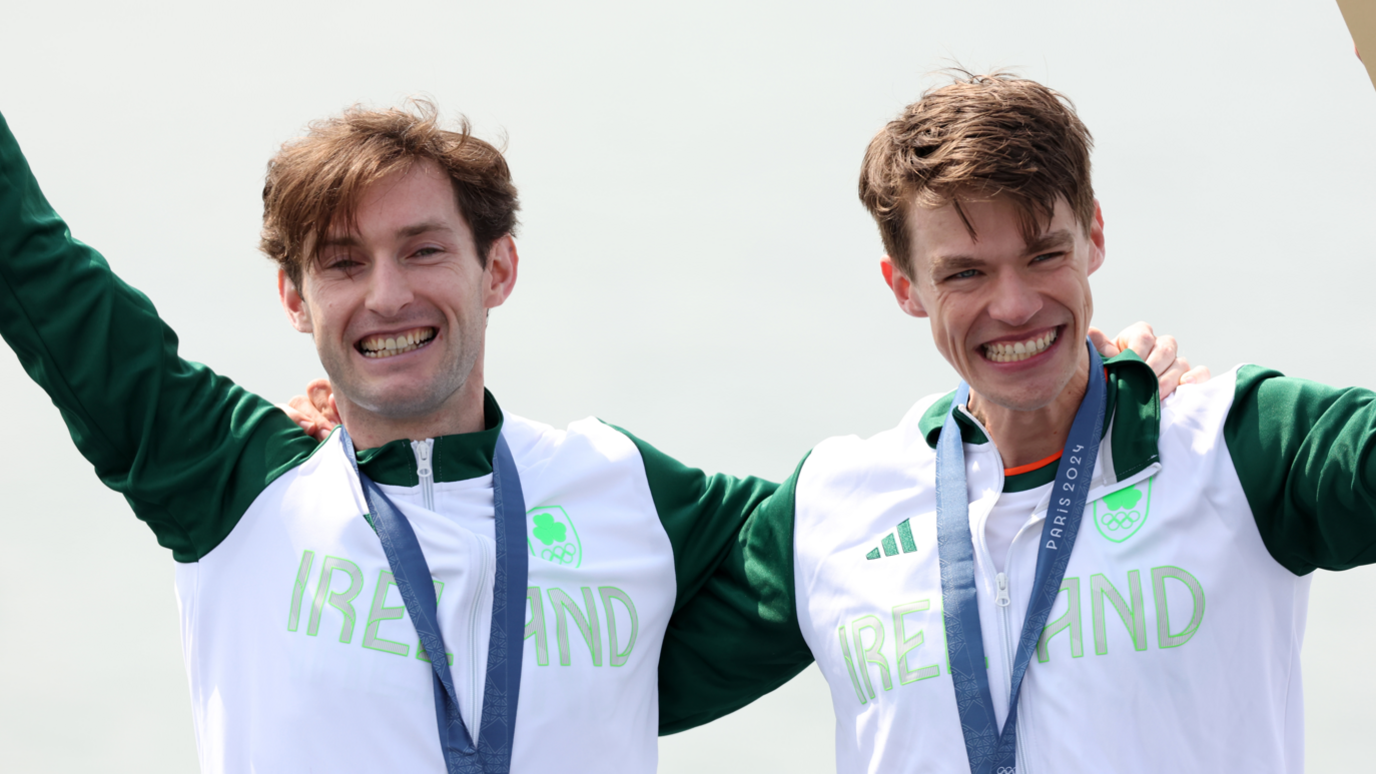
(187, 448)
(1306, 456)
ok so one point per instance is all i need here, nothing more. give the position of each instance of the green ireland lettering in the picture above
(904, 645)
(850, 664)
(587, 624)
(615, 656)
(535, 627)
(1164, 638)
(1070, 619)
(873, 654)
(380, 612)
(303, 576)
(1134, 616)
(343, 602)
(420, 647)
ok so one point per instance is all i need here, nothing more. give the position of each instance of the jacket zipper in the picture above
(1005, 604)
(425, 471)
(474, 668)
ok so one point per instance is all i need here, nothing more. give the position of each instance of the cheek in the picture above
(949, 319)
(330, 316)
(1085, 298)
(947, 334)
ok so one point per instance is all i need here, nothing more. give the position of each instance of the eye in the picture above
(426, 252)
(1044, 257)
(344, 264)
(967, 274)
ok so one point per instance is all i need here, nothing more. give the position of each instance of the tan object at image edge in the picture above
(1360, 16)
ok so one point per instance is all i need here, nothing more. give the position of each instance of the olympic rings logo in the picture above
(1008, 770)
(1120, 520)
(564, 553)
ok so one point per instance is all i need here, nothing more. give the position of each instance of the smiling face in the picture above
(398, 304)
(1009, 315)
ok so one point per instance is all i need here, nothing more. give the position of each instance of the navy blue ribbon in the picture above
(492, 753)
(990, 750)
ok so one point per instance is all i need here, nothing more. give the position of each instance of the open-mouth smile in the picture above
(391, 345)
(1015, 351)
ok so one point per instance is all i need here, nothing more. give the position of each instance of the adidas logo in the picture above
(890, 544)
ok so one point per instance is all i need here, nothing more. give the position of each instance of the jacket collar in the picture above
(454, 458)
(1132, 419)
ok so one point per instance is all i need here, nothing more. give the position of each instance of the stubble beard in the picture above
(1010, 399)
(418, 401)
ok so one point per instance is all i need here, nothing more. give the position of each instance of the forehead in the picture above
(399, 201)
(939, 236)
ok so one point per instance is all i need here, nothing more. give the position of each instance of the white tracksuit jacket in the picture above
(300, 654)
(1174, 644)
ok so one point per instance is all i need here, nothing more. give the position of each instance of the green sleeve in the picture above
(734, 633)
(701, 514)
(1304, 454)
(188, 449)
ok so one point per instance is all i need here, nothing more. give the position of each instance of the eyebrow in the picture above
(1050, 241)
(351, 240)
(423, 228)
(954, 264)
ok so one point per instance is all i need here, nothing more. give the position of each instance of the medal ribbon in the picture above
(492, 753)
(990, 750)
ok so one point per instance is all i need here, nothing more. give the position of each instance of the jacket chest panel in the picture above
(1168, 589)
(300, 598)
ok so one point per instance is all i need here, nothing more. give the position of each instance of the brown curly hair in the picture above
(981, 137)
(316, 181)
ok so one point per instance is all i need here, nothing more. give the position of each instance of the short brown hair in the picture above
(316, 181)
(981, 137)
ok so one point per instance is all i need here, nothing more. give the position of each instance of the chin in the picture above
(408, 404)
(1019, 393)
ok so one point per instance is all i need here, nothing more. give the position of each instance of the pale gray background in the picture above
(695, 264)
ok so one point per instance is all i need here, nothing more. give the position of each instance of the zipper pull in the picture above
(423, 460)
(422, 448)
(1002, 600)
(425, 471)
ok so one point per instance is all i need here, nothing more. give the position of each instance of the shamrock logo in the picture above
(547, 530)
(551, 535)
(1123, 499)
(1118, 516)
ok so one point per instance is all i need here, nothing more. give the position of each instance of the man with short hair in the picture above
(304, 570)
(394, 238)
(1129, 576)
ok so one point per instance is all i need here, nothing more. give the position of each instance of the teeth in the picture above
(389, 346)
(1011, 353)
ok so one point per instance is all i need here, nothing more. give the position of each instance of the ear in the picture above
(295, 306)
(500, 274)
(1096, 238)
(903, 290)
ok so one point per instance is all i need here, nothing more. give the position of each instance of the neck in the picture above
(1027, 436)
(461, 413)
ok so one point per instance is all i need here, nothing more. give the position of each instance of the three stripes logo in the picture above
(900, 537)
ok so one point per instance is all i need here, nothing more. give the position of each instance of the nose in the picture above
(1015, 301)
(389, 288)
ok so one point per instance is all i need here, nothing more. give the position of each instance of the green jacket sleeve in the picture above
(701, 513)
(187, 448)
(734, 634)
(1304, 454)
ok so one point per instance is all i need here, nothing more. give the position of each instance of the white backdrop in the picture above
(696, 266)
